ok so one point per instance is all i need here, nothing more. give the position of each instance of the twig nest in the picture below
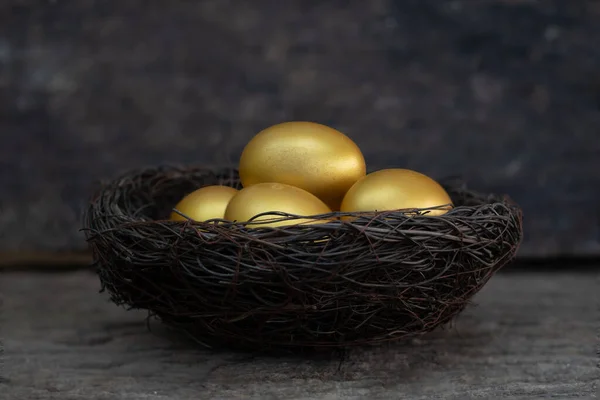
(371, 278)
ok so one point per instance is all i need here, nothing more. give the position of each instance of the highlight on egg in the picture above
(270, 196)
(209, 202)
(396, 189)
(307, 155)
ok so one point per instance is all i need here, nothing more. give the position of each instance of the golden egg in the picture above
(393, 189)
(269, 196)
(205, 203)
(308, 155)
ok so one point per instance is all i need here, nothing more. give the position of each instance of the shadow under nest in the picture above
(380, 277)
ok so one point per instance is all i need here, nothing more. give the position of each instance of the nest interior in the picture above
(376, 278)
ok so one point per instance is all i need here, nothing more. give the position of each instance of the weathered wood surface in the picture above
(505, 93)
(531, 336)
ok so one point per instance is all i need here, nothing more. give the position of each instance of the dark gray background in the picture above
(505, 93)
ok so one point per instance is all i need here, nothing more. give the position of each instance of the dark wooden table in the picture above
(530, 336)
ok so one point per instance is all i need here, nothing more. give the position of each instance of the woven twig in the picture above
(378, 277)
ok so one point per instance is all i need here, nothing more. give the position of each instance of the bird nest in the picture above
(371, 279)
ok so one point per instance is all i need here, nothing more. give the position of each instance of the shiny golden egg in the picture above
(394, 189)
(205, 203)
(269, 197)
(307, 155)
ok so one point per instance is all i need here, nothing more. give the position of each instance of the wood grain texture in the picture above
(531, 336)
(504, 93)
